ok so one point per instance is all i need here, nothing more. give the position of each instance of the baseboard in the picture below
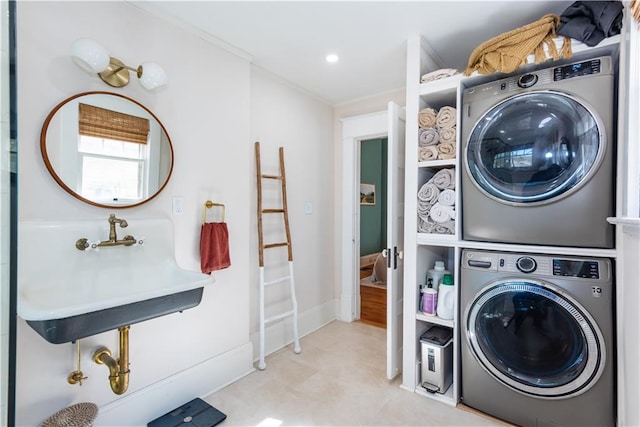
(280, 334)
(149, 403)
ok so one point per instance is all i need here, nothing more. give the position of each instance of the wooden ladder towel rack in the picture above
(293, 313)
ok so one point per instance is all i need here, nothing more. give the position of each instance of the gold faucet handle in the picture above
(84, 244)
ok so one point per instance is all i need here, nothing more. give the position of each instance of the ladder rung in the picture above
(275, 245)
(279, 316)
(273, 211)
(272, 176)
(273, 282)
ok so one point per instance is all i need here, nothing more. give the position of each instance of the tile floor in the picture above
(338, 380)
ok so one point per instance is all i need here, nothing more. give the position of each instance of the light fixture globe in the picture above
(90, 55)
(152, 75)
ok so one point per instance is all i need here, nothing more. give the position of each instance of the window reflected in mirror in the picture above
(107, 149)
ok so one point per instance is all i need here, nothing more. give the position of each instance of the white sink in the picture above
(65, 293)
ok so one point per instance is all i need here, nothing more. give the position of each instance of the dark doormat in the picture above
(196, 413)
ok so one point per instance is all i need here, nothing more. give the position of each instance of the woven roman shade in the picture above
(103, 123)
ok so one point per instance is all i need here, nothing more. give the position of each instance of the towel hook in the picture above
(209, 204)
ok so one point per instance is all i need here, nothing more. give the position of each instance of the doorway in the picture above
(354, 130)
(388, 124)
(372, 232)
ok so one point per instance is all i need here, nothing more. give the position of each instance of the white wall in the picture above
(205, 108)
(283, 116)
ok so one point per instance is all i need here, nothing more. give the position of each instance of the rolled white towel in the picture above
(447, 197)
(428, 193)
(427, 137)
(448, 227)
(423, 210)
(438, 74)
(441, 213)
(444, 179)
(424, 225)
(447, 134)
(446, 117)
(446, 150)
(427, 117)
(428, 226)
(427, 153)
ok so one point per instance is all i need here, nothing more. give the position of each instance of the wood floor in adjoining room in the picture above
(337, 380)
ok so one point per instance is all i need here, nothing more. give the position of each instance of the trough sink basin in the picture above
(66, 294)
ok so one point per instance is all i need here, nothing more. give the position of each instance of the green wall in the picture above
(373, 218)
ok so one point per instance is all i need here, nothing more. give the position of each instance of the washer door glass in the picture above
(535, 340)
(534, 147)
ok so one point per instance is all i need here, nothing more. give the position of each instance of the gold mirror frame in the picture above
(67, 187)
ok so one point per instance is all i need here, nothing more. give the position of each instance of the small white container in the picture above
(446, 297)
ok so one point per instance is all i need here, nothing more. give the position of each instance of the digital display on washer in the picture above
(586, 269)
(575, 70)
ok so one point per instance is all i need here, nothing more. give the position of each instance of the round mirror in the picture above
(107, 149)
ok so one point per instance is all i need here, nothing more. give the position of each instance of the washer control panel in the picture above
(538, 265)
(576, 268)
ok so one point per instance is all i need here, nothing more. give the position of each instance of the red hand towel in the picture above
(214, 247)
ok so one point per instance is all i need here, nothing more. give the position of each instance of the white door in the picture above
(395, 237)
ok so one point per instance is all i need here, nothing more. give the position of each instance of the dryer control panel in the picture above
(575, 70)
(542, 79)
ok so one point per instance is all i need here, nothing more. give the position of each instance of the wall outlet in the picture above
(178, 206)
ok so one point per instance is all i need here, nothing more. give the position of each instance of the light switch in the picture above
(178, 206)
(308, 208)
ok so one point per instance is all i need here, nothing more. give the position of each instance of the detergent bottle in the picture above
(446, 296)
(436, 274)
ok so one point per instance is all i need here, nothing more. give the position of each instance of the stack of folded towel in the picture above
(437, 134)
(436, 204)
(438, 75)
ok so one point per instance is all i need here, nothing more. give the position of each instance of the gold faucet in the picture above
(127, 240)
(113, 238)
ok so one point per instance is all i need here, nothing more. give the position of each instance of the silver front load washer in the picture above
(537, 340)
(538, 157)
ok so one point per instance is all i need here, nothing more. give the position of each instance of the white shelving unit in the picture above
(423, 249)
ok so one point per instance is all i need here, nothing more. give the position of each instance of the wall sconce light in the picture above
(91, 56)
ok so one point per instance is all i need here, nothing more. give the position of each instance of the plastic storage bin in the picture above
(437, 359)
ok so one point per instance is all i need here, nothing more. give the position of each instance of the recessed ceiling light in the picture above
(331, 58)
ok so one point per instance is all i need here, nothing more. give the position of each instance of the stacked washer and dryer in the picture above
(537, 330)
